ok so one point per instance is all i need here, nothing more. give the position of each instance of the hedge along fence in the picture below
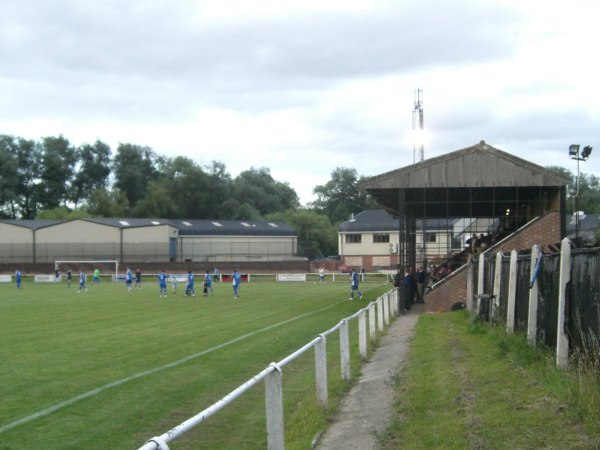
(553, 298)
(379, 314)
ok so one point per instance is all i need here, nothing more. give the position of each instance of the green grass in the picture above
(475, 387)
(57, 345)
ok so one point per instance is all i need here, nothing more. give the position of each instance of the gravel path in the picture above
(365, 410)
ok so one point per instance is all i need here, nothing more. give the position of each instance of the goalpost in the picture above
(92, 264)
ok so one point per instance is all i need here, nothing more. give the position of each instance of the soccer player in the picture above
(128, 279)
(69, 277)
(208, 284)
(322, 275)
(235, 281)
(174, 283)
(189, 289)
(82, 279)
(138, 278)
(18, 278)
(96, 278)
(354, 286)
(162, 283)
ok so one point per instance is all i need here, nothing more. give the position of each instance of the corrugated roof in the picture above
(185, 226)
(232, 228)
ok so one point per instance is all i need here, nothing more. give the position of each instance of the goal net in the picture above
(106, 268)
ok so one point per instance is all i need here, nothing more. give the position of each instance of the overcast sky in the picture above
(303, 87)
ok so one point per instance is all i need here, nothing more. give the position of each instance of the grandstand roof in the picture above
(480, 169)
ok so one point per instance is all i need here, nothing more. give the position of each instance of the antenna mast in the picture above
(417, 121)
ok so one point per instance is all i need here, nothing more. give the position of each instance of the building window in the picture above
(379, 238)
(353, 238)
(430, 237)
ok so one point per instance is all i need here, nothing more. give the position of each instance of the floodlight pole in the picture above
(583, 156)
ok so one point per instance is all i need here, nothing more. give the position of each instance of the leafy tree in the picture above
(108, 203)
(342, 196)
(134, 167)
(313, 229)
(8, 177)
(58, 158)
(93, 170)
(588, 192)
(62, 213)
(257, 188)
(28, 174)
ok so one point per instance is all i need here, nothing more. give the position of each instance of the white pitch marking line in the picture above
(51, 409)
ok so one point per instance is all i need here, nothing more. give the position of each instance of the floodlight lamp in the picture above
(586, 152)
(573, 150)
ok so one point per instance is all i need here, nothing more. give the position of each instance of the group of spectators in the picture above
(411, 286)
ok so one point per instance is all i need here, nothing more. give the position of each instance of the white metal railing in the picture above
(272, 375)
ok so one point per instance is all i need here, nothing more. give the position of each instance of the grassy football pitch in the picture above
(111, 368)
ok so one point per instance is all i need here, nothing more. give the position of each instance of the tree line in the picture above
(53, 179)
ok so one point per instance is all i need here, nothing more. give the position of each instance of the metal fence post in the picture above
(533, 297)
(274, 406)
(562, 340)
(372, 332)
(321, 370)
(345, 350)
(512, 293)
(362, 334)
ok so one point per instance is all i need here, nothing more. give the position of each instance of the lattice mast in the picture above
(417, 124)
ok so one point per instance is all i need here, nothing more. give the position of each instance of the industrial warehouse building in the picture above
(145, 240)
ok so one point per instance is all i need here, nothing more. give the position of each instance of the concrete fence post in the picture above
(362, 334)
(345, 350)
(321, 371)
(533, 296)
(512, 293)
(386, 309)
(274, 406)
(372, 331)
(380, 315)
(495, 305)
(562, 339)
(470, 296)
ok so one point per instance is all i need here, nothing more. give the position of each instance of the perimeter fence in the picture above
(554, 298)
(379, 312)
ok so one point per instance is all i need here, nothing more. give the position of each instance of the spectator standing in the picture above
(408, 288)
(420, 278)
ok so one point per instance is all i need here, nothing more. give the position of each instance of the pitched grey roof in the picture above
(379, 220)
(233, 228)
(480, 165)
(31, 224)
(185, 226)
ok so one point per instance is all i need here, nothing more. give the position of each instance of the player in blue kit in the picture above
(208, 284)
(18, 278)
(235, 282)
(162, 283)
(82, 280)
(189, 289)
(129, 279)
(354, 286)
